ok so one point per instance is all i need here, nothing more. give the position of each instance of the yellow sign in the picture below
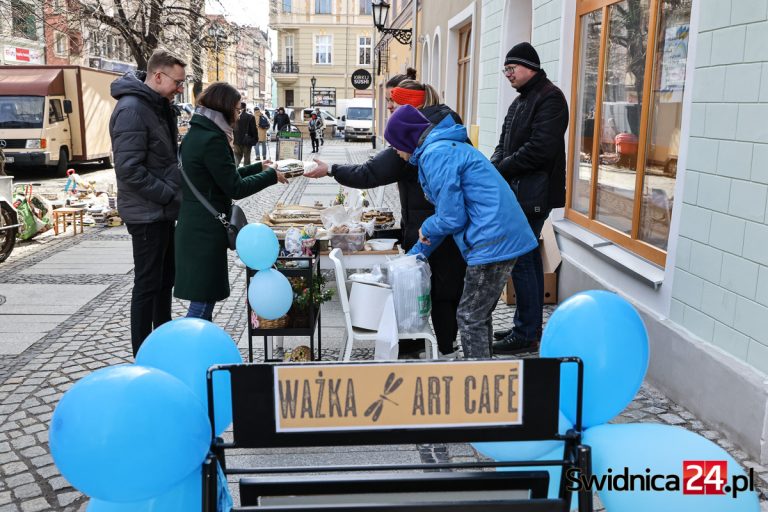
(385, 396)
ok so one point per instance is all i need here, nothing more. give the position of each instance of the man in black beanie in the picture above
(531, 157)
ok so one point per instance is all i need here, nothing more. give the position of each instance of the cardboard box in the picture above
(366, 304)
(550, 259)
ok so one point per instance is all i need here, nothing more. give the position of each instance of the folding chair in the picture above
(354, 334)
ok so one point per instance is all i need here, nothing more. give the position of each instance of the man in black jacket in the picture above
(282, 121)
(531, 157)
(143, 131)
(245, 136)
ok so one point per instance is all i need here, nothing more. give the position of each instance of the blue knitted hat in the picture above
(405, 127)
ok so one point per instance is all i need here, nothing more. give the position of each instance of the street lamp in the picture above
(380, 12)
(312, 81)
(219, 36)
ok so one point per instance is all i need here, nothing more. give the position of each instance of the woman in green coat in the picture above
(201, 240)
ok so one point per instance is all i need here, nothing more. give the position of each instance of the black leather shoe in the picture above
(514, 345)
(500, 335)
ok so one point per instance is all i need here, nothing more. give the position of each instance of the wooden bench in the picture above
(370, 403)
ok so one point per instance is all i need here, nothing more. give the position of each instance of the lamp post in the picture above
(380, 12)
(312, 81)
(219, 36)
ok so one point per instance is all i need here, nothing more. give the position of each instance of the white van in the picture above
(358, 120)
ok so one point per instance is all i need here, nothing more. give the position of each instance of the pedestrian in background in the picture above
(320, 126)
(312, 127)
(262, 125)
(246, 136)
(446, 262)
(144, 134)
(202, 271)
(531, 157)
(474, 206)
(281, 123)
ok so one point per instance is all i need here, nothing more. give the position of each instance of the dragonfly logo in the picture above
(374, 410)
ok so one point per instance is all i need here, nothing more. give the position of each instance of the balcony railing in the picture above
(285, 67)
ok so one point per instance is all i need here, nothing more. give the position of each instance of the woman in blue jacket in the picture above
(474, 205)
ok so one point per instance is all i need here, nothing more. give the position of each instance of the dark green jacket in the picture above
(201, 240)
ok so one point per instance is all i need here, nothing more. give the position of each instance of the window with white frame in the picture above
(323, 49)
(287, 7)
(366, 7)
(288, 40)
(60, 44)
(323, 7)
(364, 49)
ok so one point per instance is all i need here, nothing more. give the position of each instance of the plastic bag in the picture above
(293, 242)
(410, 279)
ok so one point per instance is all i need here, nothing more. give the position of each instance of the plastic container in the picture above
(348, 242)
(382, 244)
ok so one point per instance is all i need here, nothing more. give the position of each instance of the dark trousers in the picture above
(448, 268)
(242, 153)
(315, 142)
(154, 269)
(202, 310)
(528, 278)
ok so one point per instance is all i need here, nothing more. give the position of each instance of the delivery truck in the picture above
(53, 115)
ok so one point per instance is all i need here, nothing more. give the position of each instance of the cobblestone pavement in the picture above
(97, 335)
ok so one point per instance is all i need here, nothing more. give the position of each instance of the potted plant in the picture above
(303, 297)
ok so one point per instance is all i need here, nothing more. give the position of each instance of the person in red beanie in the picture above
(474, 206)
(386, 167)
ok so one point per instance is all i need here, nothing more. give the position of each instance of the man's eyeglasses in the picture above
(508, 70)
(179, 83)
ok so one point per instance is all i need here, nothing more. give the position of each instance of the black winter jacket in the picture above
(386, 168)
(245, 133)
(282, 122)
(531, 150)
(143, 131)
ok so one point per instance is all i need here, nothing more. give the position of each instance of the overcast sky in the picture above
(242, 12)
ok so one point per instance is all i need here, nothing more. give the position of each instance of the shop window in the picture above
(626, 120)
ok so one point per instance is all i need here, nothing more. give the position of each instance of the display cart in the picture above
(307, 267)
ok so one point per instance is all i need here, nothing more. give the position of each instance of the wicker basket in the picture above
(278, 323)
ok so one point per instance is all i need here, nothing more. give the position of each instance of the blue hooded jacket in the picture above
(473, 203)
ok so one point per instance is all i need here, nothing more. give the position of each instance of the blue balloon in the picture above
(607, 333)
(270, 294)
(662, 450)
(185, 496)
(128, 433)
(186, 348)
(509, 451)
(257, 246)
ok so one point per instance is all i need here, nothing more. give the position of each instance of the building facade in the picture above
(667, 183)
(22, 38)
(324, 39)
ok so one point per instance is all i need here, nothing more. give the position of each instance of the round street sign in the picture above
(361, 79)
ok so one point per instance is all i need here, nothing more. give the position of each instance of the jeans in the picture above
(528, 278)
(263, 151)
(482, 288)
(202, 310)
(315, 143)
(153, 276)
(242, 152)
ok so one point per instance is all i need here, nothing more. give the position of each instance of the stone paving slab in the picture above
(88, 258)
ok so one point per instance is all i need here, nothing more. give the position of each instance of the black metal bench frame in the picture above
(254, 426)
